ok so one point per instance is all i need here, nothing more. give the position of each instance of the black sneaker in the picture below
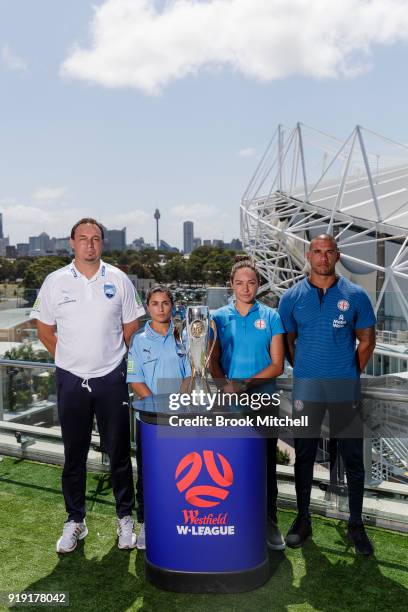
(299, 531)
(357, 534)
(274, 537)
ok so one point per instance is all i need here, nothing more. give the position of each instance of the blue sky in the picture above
(114, 108)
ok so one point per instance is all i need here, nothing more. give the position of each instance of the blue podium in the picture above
(205, 502)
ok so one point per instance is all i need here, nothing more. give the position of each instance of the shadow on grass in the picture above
(311, 578)
(30, 485)
(353, 582)
(277, 594)
(93, 584)
(102, 489)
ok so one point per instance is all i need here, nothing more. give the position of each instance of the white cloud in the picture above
(7, 201)
(12, 61)
(248, 152)
(138, 223)
(49, 194)
(21, 221)
(135, 45)
(196, 212)
(208, 220)
(126, 219)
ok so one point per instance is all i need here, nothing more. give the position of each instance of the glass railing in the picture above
(385, 416)
(16, 327)
(28, 393)
(29, 425)
(29, 428)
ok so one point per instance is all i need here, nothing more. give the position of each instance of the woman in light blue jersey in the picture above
(157, 363)
(247, 357)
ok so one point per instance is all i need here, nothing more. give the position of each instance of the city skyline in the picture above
(64, 233)
(115, 240)
(178, 116)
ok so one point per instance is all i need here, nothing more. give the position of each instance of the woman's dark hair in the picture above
(243, 261)
(159, 289)
(90, 221)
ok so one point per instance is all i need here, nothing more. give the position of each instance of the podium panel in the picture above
(205, 509)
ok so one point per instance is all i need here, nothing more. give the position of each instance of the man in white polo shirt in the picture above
(86, 314)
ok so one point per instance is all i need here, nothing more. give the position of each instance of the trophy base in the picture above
(207, 582)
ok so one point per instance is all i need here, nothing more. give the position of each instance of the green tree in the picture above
(282, 456)
(218, 267)
(210, 264)
(136, 267)
(196, 264)
(150, 259)
(20, 266)
(44, 385)
(126, 258)
(37, 271)
(25, 352)
(176, 269)
(6, 270)
(10, 270)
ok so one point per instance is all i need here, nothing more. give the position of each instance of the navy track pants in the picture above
(79, 401)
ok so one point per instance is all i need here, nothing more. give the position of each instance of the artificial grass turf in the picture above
(324, 575)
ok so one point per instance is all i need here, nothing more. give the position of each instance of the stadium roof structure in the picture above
(307, 183)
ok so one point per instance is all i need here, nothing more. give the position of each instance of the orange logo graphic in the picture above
(193, 463)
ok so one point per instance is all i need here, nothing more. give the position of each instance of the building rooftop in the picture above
(13, 316)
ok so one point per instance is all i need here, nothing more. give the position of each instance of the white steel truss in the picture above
(356, 190)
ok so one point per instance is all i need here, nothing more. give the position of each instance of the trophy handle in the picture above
(178, 331)
(214, 329)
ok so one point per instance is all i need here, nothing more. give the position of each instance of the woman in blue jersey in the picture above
(157, 363)
(249, 354)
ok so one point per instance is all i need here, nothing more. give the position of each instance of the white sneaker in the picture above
(71, 533)
(141, 538)
(125, 531)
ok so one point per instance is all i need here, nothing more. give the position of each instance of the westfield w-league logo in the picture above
(221, 475)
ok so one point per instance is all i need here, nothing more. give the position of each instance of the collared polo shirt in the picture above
(245, 341)
(158, 361)
(89, 315)
(325, 324)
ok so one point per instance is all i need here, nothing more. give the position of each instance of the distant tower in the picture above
(188, 236)
(1, 225)
(157, 217)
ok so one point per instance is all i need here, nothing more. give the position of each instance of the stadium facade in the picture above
(308, 183)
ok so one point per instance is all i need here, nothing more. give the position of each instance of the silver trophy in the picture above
(198, 324)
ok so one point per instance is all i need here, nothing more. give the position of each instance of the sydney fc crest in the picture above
(109, 290)
(343, 305)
